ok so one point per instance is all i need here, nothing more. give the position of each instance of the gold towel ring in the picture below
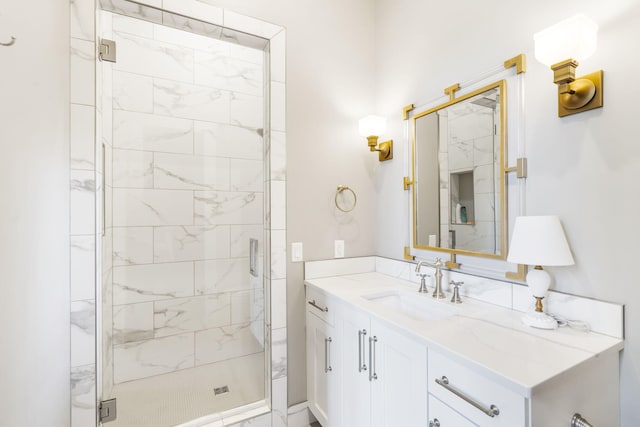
(340, 189)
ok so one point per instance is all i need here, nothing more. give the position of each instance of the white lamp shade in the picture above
(372, 126)
(539, 240)
(575, 38)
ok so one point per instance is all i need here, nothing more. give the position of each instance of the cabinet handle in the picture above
(372, 358)
(313, 304)
(492, 411)
(434, 423)
(327, 355)
(361, 337)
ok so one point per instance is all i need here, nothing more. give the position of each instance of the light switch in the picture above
(338, 249)
(296, 252)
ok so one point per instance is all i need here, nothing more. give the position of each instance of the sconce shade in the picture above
(575, 37)
(539, 240)
(372, 126)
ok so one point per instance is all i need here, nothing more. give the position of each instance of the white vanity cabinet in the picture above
(371, 365)
(323, 360)
(383, 374)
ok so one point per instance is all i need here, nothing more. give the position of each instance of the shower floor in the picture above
(178, 397)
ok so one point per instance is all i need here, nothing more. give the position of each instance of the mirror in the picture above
(459, 191)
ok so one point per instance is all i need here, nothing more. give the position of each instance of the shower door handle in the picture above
(104, 191)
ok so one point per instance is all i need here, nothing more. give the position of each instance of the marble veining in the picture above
(279, 353)
(132, 322)
(189, 101)
(128, 8)
(191, 314)
(83, 395)
(228, 207)
(82, 255)
(225, 140)
(148, 132)
(215, 276)
(190, 243)
(153, 357)
(175, 171)
(153, 58)
(223, 343)
(139, 283)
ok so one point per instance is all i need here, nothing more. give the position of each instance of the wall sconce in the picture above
(560, 47)
(372, 127)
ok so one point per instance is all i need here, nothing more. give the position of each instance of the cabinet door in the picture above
(399, 392)
(356, 387)
(323, 385)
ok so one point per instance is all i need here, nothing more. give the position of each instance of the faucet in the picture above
(437, 293)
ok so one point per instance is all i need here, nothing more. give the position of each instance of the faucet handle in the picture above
(455, 298)
(423, 283)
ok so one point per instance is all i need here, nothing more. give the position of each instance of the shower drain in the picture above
(220, 390)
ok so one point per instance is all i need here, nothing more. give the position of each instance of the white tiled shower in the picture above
(189, 163)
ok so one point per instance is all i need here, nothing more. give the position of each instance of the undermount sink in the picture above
(414, 305)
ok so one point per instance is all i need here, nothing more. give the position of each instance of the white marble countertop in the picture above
(485, 337)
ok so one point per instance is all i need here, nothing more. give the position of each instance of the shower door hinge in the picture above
(107, 410)
(107, 50)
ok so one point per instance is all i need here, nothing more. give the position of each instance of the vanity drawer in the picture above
(440, 415)
(473, 395)
(320, 305)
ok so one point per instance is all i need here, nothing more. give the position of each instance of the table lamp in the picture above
(538, 241)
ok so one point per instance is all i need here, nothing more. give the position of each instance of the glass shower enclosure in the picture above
(180, 132)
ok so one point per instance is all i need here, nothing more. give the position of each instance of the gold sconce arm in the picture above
(385, 148)
(576, 94)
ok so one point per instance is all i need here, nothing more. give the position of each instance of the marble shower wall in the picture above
(188, 195)
(473, 147)
(83, 187)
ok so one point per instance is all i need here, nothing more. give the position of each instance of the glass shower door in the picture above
(180, 125)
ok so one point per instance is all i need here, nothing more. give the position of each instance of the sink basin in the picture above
(414, 305)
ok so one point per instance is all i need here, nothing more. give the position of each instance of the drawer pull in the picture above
(434, 423)
(492, 411)
(313, 304)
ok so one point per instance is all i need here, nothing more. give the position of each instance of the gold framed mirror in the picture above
(458, 167)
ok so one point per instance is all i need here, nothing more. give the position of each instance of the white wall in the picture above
(34, 218)
(583, 168)
(330, 84)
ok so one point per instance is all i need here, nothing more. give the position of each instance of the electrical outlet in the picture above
(296, 252)
(338, 251)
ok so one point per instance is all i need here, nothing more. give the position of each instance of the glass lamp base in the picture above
(539, 320)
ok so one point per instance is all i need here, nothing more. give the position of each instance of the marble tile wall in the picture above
(188, 120)
(471, 148)
(83, 188)
(187, 167)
